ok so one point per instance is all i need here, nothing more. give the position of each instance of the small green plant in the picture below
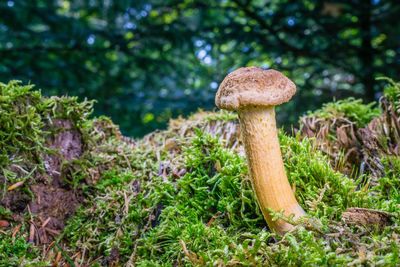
(18, 252)
(350, 108)
(392, 91)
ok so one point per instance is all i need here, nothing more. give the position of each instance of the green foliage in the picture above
(4, 213)
(392, 91)
(26, 121)
(210, 216)
(148, 60)
(350, 108)
(389, 185)
(183, 197)
(308, 248)
(20, 122)
(17, 252)
(326, 192)
(215, 190)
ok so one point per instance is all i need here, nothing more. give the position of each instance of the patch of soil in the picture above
(54, 201)
(15, 201)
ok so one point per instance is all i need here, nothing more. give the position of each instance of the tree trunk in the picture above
(366, 53)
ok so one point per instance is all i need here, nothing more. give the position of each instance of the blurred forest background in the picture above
(145, 61)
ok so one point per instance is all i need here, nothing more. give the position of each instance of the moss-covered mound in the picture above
(76, 192)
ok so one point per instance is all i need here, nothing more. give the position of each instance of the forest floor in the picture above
(75, 192)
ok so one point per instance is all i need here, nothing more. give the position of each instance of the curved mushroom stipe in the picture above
(254, 92)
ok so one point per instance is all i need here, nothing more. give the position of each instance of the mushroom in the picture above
(254, 92)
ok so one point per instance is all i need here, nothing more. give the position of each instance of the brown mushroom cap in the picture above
(252, 86)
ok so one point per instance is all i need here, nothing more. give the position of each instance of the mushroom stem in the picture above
(266, 167)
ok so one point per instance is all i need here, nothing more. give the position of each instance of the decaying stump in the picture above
(361, 148)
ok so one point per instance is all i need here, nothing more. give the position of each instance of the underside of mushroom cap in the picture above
(252, 86)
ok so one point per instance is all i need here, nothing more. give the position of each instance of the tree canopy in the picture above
(145, 61)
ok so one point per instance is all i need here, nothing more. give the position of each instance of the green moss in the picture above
(350, 108)
(26, 120)
(183, 196)
(388, 188)
(21, 134)
(211, 210)
(392, 91)
(322, 191)
(17, 252)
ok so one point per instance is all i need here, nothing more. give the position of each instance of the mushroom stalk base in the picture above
(270, 183)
